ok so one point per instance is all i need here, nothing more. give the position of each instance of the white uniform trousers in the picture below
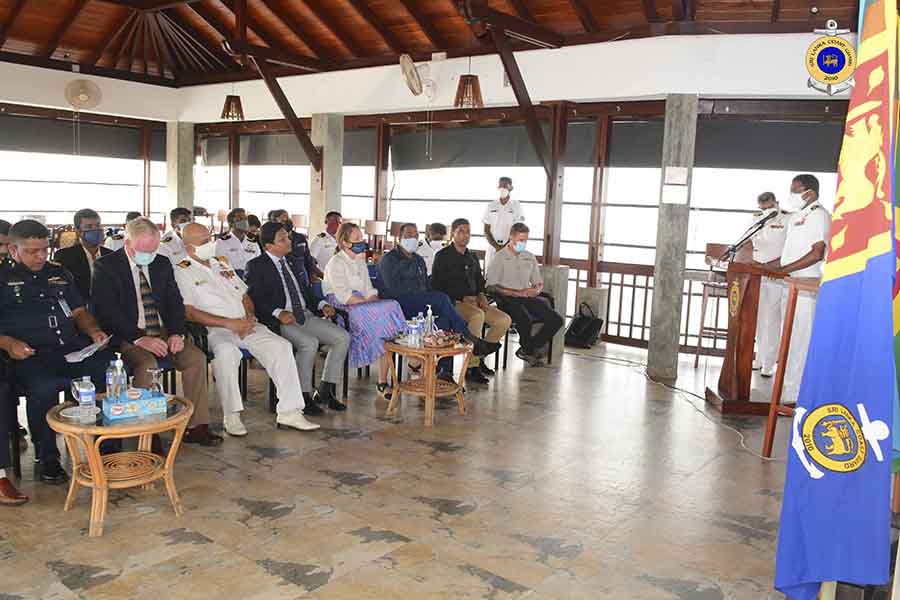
(769, 322)
(803, 322)
(272, 351)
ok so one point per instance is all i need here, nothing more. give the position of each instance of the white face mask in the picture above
(410, 244)
(504, 193)
(796, 200)
(206, 251)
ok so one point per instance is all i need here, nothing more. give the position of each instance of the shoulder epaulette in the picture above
(321, 235)
(224, 236)
(222, 259)
(118, 236)
(168, 237)
(816, 207)
(757, 214)
(53, 263)
(184, 264)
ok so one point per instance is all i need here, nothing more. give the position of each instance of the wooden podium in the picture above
(733, 393)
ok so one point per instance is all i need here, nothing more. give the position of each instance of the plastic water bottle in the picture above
(87, 398)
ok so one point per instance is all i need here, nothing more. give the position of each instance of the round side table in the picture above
(428, 386)
(122, 469)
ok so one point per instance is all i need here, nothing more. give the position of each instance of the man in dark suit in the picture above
(79, 259)
(138, 301)
(285, 303)
(303, 259)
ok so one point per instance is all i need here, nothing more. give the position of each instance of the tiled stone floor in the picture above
(578, 481)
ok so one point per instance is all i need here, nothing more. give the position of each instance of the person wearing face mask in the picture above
(43, 318)
(172, 247)
(304, 262)
(767, 246)
(499, 217)
(253, 232)
(433, 242)
(234, 245)
(404, 278)
(515, 279)
(215, 297)
(137, 300)
(347, 287)
(323, 246)
(79, 259)
(115, 238)
(805, 244)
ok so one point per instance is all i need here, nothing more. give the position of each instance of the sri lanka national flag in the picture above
(835, 520)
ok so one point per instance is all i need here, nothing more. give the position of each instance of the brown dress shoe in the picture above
(9, 495)
(202, 435)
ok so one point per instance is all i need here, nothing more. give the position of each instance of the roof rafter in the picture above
(114, 33)
(650, 13)
(254, 26)
(299, 30)
(363, 10)
(16, 9)
(63, 28)
(187, 30)
(433, 35)
(331, 24)
(522, 10)
(588, 22)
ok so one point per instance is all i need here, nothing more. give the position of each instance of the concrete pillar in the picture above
(556, 283)
(180, 157)
(672, 234)
(325, 193)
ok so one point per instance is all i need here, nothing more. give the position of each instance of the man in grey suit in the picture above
(285, 303)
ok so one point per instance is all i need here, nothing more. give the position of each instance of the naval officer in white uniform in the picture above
(499, 217)
(324, 245)
(234, 245)
(171, 245)
(216, 297)
(768, 244)
(805, 245)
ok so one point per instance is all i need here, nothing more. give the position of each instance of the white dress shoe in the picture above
(767, 371)
(234, 426)
(756, 364)
(295, 420)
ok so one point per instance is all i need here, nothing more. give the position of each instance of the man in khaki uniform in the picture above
(515, 278)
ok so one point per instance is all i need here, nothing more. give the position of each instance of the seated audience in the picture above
(514, 277)
(432, 244)
(138, 302)
(404, 279)
(299, 246)
(115, 238)
(324, 245)
(214, 296)
(172, 246)
(79, 259)
(286, 304)
(457, 273)
(43, 318)
(234, 245)
(372, 321)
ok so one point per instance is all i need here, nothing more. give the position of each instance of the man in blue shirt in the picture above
(404, 278)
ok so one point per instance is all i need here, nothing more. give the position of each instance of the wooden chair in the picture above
(714, 287)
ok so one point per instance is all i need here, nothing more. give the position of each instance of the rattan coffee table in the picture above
(428, 386)
(122, 469)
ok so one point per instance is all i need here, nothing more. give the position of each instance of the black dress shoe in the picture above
(446, 376)
(325, 396)
(474, 375)
(310, 408)
(486, 370)
(529, 358)
(53, 473)
(481, 348)
(200, 435)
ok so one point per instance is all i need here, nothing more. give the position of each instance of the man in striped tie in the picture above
(137, 299)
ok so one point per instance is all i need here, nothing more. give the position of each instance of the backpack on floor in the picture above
(585, 328)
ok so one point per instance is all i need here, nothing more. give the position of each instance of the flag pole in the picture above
(828, 591)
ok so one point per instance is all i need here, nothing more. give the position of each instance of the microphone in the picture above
(767, 218)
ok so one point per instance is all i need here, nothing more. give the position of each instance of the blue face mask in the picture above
(520, 247)
(410, 244)
(144, 258)
(359, 247)
(92, 237)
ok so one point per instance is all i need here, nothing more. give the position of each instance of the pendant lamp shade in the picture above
(233, 110)
(468, 92)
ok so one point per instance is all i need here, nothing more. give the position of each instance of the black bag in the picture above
(585, 328)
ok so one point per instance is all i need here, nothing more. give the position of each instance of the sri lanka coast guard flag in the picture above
(835, 519)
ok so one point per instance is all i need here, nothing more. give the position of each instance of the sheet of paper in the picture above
(79, 355)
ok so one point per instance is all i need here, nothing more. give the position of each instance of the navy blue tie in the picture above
(293, 292)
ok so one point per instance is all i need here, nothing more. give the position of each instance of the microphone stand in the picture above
(731, 251)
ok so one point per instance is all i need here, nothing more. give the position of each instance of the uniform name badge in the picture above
(65, 308)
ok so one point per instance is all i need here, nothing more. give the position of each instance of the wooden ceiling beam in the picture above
(126, 43)
(190, 32)
(288, 59)
(479, 14)
(363, 10)
(588, 23)
(649, 7)
(151, 5)
(13, 15)
(312, 153)
(160, 43)
(776, 10)
(191, 55)
(678, 10)
(522, 10)
(211, 19)
(299, 30)
(254, 26)
(114, 33)
(60, 33)
(330, 23)
(65, 65)
(434, 37)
